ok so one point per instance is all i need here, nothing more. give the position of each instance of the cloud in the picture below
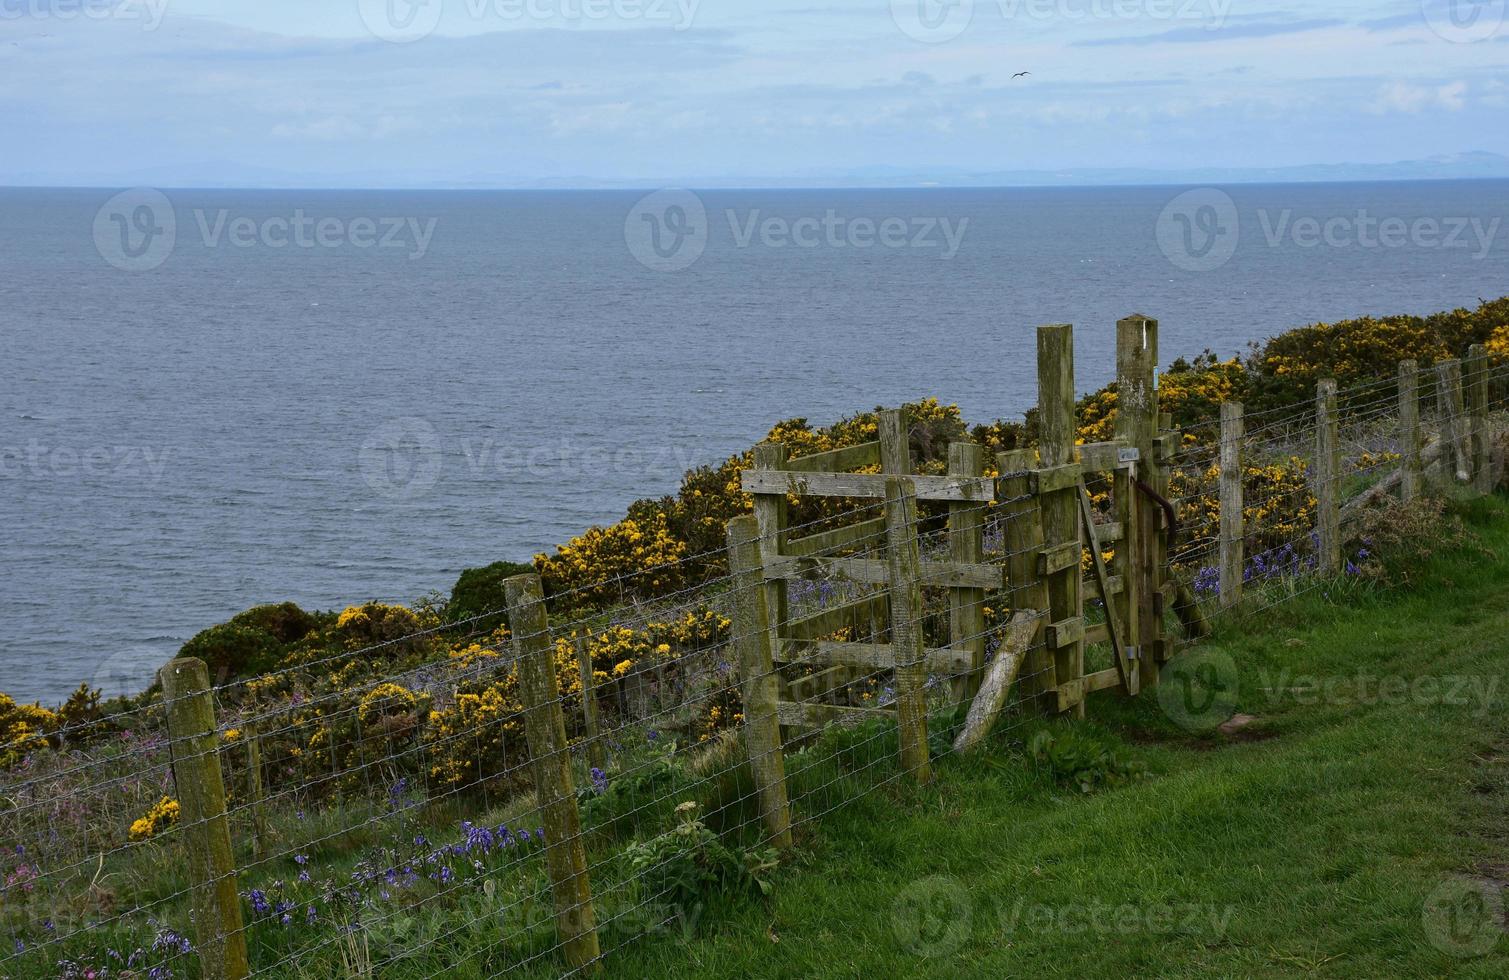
(1406, 98)
(1201, 35)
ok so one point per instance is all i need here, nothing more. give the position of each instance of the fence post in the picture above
(966, 607)
(1477, 408)
(1137, 423)
(1029, 588)
(761, 686)
(1327, 477)
(545, 728)
(904, 576)
(255, 791)
(1449, 403)
(1061, 517)
(596, 753)
(201, 796)
(1410, 469)
(770, 510)
(1233, 527)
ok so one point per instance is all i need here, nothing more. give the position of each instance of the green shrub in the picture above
(233, 651)
(1076, 759)
(284, 621)
(479, 593)
(689, 869)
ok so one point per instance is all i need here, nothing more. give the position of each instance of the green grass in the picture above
(1309, 844)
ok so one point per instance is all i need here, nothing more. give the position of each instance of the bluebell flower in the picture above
(599, 781)
(259, 901)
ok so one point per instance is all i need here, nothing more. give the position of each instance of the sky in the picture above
(500, 91)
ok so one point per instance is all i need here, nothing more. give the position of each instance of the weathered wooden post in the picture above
(1327, 477)
(1060, 510)
(770, 510)
(1028, 577)
(1477, 411)
(202, 816)
(257, 794)
(597, 754)
(1411, 469)
(1233, 527)
(1456, 457)
(545, 728)
(904, 577)
(760, 686)
(966, 606)
(1137, 426)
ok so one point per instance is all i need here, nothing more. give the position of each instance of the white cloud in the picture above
(1407, 98)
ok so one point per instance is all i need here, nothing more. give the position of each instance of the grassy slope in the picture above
(1321, 842)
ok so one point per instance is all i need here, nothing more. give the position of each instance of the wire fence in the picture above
(531, 789)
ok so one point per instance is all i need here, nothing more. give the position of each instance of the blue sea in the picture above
(213, 399)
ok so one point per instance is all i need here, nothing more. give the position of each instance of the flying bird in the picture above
(1021, 74)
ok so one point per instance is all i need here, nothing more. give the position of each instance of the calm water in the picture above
(180, 443)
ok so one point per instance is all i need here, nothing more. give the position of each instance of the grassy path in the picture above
(1314, 842)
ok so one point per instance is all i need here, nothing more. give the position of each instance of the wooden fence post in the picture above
(201, 796)
(1327, 477)
(770, 510)
(597, 753)
(1456, 457)
(1410, 467)
(256, 792)
(1137, 424)
(1060, 508)
(760, 685)
(904, 577)
(545, 728)
(966, 607)
(1477, 409)
(1233, 527)
(1029, 586)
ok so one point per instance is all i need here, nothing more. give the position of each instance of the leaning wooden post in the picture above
(1449, 404)
(760, 686)
(1327, 477)
(966, 606)
(1024, 566)
(1137, 426)
(597, 753)
(545, 728)
(1233, 529)
(1411, 469)
(1060, 508)
(201, 797)
(1477, 418)
(904, 577)
(256, 792)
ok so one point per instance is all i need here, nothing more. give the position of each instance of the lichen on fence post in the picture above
(202, 819)
(1233, 528)
(1060, 508)
(545, 728)
(1327, 478)
(1410, 466)
(760, 686)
